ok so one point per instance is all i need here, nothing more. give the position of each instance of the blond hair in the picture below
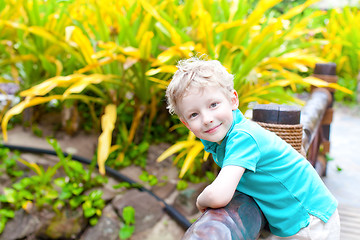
(196, 72)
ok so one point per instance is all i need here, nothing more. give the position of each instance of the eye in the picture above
(213, 105)
(193, 115)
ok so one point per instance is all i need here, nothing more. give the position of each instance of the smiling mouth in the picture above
(211, 130)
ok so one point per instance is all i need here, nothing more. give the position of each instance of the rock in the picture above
(164, 190)
(132, 172)
(67, 224)
(155, 151)
(185, 202)
(108, 191)
(164, 171)
(21, 226)
(148, 210)
(165, 229)
(107, 228)
(163, 168)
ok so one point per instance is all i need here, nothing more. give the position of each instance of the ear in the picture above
(234, 100)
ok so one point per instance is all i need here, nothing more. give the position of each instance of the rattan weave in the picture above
(292, 134)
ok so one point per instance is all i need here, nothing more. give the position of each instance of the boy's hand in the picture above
(201, 208)
(220, 192)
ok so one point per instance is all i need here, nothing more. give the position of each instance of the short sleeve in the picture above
(241, 150)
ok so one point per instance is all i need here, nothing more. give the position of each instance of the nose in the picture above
(207, 119)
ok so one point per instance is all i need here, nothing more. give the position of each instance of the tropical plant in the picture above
(112, 67)
(342, 35)
(263, 52)
(117, 55)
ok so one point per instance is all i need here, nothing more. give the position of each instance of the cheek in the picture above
(227, 116)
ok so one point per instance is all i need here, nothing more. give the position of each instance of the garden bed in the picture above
(151, 222)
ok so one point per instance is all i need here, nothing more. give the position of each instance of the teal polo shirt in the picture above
(281, 181)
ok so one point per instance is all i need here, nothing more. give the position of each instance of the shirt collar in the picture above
(211, 146)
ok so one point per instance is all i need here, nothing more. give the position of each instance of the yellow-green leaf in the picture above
(104, 142)
(17, 109)
(190, 157)
(145, 45)
(163, 69)
(174, 149)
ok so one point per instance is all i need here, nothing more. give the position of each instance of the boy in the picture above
(253, 160)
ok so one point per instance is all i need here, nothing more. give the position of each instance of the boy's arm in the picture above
(220, 192)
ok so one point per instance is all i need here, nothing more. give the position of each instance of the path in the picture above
(344, 184)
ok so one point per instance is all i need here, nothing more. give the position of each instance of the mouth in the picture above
(212, 130)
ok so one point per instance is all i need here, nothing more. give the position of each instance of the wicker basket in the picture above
(292, 134)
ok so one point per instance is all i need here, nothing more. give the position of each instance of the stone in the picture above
(107, 227)
(108, 191)
(132, 172)
(67, 224)
(21, 226)
(148, 211)
(164, 190)
(185, 202)
(165, 228)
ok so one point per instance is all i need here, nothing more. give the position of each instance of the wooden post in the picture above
(283, 120)
(326, 72)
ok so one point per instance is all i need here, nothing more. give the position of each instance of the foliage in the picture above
(342, 46)
(116, 57)
(148, 178)
(265, 55)
(5, 214)
(8, 163)
(128, 229)
(43, 190)
(181, 185)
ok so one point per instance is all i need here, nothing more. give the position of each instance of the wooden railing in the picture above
(242, 218)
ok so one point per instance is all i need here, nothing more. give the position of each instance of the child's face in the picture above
(207, 112)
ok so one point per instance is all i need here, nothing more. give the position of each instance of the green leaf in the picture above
(77, 191)
(122, 184)
(7, 213)
(210, 175)
(93, 221)
(126, 232)
(26, 194)
(96, 194)
(3, 221)
(22, 184)
(129, 215)
(52, 194)
(89, 212)
(76, 166)
(328, 158)
(10, 195)
(144, 176)
(3, 198)
(181, 185)
(76, 201)
(60, 182)
(99, 203)
(65, 195)
(17, 173)
(153, 180)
